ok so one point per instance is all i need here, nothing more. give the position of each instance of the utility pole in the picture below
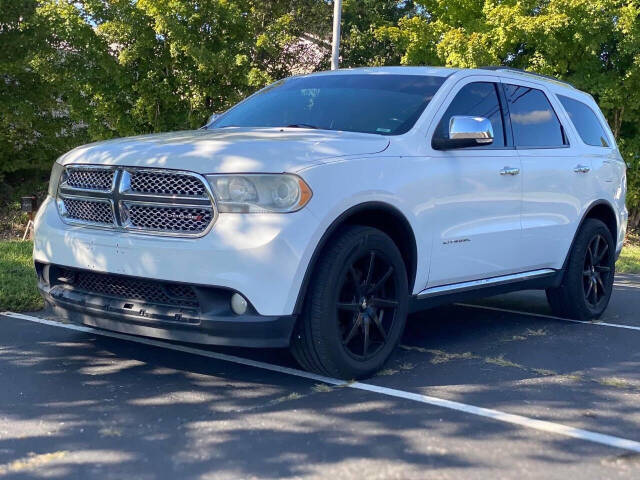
(335, 46)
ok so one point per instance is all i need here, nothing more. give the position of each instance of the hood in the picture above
(229, 150)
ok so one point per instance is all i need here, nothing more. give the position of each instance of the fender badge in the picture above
(457, 240)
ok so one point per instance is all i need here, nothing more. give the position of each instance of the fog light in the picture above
(238, 304)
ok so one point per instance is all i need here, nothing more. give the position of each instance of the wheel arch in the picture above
(600, 210)
(380, 215)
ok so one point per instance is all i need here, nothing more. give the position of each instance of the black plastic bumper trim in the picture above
(183, 325)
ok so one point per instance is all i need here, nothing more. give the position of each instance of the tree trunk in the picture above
(617, 122)
(634, 219)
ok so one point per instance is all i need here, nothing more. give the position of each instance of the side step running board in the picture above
(485, 282)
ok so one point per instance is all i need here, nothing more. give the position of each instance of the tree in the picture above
(34, 126)
(361, 20)
(593, 44)
(157, 65)
(80, 70)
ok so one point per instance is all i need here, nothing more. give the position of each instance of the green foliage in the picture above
(77, 71)
(31, 109)
(629, 260)
(18, 285)
(361, 19)
(594, 44)
(73, 71)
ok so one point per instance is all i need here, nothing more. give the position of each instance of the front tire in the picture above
(588, 280)
(356, 306)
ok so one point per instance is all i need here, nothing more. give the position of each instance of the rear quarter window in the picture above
(586, 122)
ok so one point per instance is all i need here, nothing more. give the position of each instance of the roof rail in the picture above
(525, 72)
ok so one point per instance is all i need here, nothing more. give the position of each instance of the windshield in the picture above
(386, 104)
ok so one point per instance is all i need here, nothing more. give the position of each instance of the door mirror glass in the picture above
(466, 131)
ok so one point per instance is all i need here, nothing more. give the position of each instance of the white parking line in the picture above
(541, 425)
(542, 315)
(622, 283)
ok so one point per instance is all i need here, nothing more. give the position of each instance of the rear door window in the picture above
(586, 122)
(533, 120)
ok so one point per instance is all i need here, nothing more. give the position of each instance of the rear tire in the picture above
(588, 280)
(356, 306)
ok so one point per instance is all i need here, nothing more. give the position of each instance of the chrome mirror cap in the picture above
(471, 128)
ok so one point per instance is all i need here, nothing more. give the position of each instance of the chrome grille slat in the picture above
(159, 183)
(90, 179)
(146, 200)
(85, 210)
(167, 218)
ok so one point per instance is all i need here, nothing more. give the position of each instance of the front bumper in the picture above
(204, 319)
(261, 256)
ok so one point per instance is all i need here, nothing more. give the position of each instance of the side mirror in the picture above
(464, 132)
(211, 119)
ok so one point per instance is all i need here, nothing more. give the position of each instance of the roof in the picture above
(433, 71)
(446, 72)
(524, 73)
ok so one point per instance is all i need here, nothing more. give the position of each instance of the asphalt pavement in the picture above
(496, 389)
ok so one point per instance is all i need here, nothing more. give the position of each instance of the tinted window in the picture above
(585, 121)
(533, 119)
(386, 104)
(479, 99)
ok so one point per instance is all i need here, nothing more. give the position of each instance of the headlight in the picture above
(54, 180)
(281, 193)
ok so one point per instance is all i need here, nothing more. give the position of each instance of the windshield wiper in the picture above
(302, 125)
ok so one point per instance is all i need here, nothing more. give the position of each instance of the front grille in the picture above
(168, 219)
(90, 178)
(127, 288)
(144, 200)
(166, 183)
(94, 211)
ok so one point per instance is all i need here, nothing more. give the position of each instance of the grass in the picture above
(629, 261)
(18, 292)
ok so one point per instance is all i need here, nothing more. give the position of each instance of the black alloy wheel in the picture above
(367, 305)
(587, 282)
(356, 306)
(596, 270)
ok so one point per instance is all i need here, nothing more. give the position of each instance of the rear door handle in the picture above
(582, 169)
(509, 171)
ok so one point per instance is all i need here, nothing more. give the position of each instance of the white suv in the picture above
(320, 211)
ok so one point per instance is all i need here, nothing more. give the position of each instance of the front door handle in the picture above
(509, 171)
(582, 169)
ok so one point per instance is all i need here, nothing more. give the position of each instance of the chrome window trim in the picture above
(118, 196)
